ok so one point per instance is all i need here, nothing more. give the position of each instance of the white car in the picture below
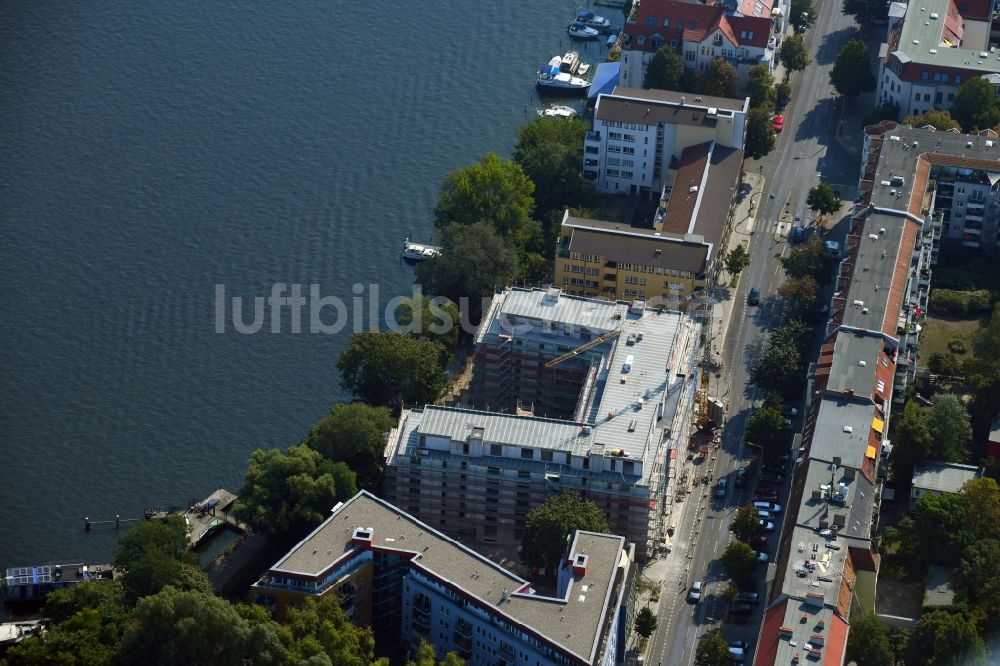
(766, 525)
(694, 594)
(762, 556)
(775, 509)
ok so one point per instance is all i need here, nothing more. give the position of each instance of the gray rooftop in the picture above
(927, 31)
(869, 300)
(844, 497)
(674, 97)
(573, 622)
(638, 246)
(847, 372)
(532, 306)
(842, 430)
(943, 477)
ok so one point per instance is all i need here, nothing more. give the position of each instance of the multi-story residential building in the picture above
(639, 138)
(411, 582)
(699, 33)
(668, 264)
(929, 53)
(477, 474)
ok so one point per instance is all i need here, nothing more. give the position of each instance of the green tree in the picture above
(911, 443)
(809, 258)
(760, 86)
(950, 428)
(783, 92)
(939, 120)
(322, 629)
(944, 364)
(474, 260)
(185, 628)
(736, 260)
(718, 80)
(793, 54)
(801, 12)
(760, 138)
(425, 317)
(645, 622)
(427, 657)
(766, 429)
(354, 434)
(982, 506)
(852, 72)
(778, 370)
(868, 641)
(713, 650)
(975, 106)
(887, 111)
(550, 152)
(739, 559)
(866, 12)
(154, 554)
(941, 526)
(285, 495)
(980, 566)
(665, 70)
(497, 191)
(802, 292)
(392, 369)
(945, 638)
(745, 523)
(822, 199)
(549, 525)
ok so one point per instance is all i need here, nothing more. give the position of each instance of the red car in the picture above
(779, 123)
(763, 495)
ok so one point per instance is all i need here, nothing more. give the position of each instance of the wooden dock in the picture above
(210, 515)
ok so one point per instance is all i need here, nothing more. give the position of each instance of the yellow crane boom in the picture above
(593, 343)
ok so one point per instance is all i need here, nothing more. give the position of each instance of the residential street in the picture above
(807, 149)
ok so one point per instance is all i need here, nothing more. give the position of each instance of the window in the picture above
(496, 449)
(916, 97)
(651, 21)
(673, 43)
(689, 55)
(958, 78)
(927, 97)
(666, 23)
(628, 150)
(546, 455)
(613, 173)
(924, 75)
(626, 174)
(691, 24)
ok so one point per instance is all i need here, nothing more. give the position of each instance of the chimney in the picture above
(580, 565)
(363, 537)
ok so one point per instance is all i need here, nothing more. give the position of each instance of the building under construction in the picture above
(620, 378)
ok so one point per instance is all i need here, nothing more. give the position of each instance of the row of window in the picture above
(615, 173)
(614, 161)
(651, 21)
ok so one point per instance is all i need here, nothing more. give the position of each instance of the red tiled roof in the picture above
(952, 30)
(770, 632)
(836, 642)
(758, 30)
(975, 10)
(690, 173)
(900, 275)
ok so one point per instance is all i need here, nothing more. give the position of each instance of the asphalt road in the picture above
(806, 152)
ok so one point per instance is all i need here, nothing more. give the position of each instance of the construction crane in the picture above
(593, 343)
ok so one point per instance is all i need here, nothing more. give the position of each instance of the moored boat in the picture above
(419, 251)
(577, 30)
(594, 21)
(550, 79)
(571, 64)
(558, 111)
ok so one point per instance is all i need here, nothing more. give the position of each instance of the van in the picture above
(738, 655)
(768, 506)
(628, 364)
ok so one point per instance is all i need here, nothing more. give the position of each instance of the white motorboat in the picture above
(571, 64)
(552, 80)
(419, 251)
(558, 111)
(577, 30)
(591, 20)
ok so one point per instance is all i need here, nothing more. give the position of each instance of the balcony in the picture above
(591, 137)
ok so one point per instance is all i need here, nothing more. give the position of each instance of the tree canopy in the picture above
(793, 54)
(868, 641)
(713, 650)
(664, 71)
(760, 86)
(427, 657)
(736, 260)
(719, 79)
(549, 525)
(551, 151)
(760, 138)
(939, 120)
(950, 428)
(778, 370)
(354, 434)
(284, 495)
(852, 73)
(645, 622)
(154, 554)
(497, 191)
(739, 559)
(911, 442)
(945, 637)
(766, 429)
(745, 522)
(392, 369)
(809, 258)
(801, 292)
(434, 318)
(866, 13)
(798, 11)
(823, 199)
(975, 106)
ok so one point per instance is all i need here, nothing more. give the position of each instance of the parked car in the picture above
(790, 411)
(758, 542)
(753, 298)
(766, 525)
(737, 655)
(738, 644)
(764, 514)
(778, 124)
(741, 477)
(694, 594)
(763, 495)
(721, 487)
(771, 477)
(742, 608)
(768, 506)
(748, 597)
(762, 556)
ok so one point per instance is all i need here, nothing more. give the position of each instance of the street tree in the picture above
(392, 369)
(801, 12)
(760, 138)
(852, 72)
(664, 71)
(175, 627)
(645, 622)
(939, 120)
(713, 650)
(550, 524)
(718, 80)
(739, 560)
(736, 260)
(782, 93)
(868, 641)
(975, 106)
(745, 523)
(911, 443)
(354, 434)
(875, 115)
(866, 12)
(809, 258)
(284, 495)
(434, 318)
(426, 656)
(760, 86)
(550, 152)
(766, 429)
(497, 191)
(793, 54)
(474, 259)
(950, 428)
(946, 636)
(822, 199)
(801, 292)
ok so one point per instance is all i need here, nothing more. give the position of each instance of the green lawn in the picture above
(937, 331)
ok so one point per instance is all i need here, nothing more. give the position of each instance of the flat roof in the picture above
(574, 622)
(942, 34)
(676, 97)
(636, 246)
(943, 477)
(847, 372)
(552, 305)
(843, 430)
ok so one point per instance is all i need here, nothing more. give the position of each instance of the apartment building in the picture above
(669, 264)
(932, 50)
(410, 582)
(476, 474)
(639, 137)
(699, 33)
